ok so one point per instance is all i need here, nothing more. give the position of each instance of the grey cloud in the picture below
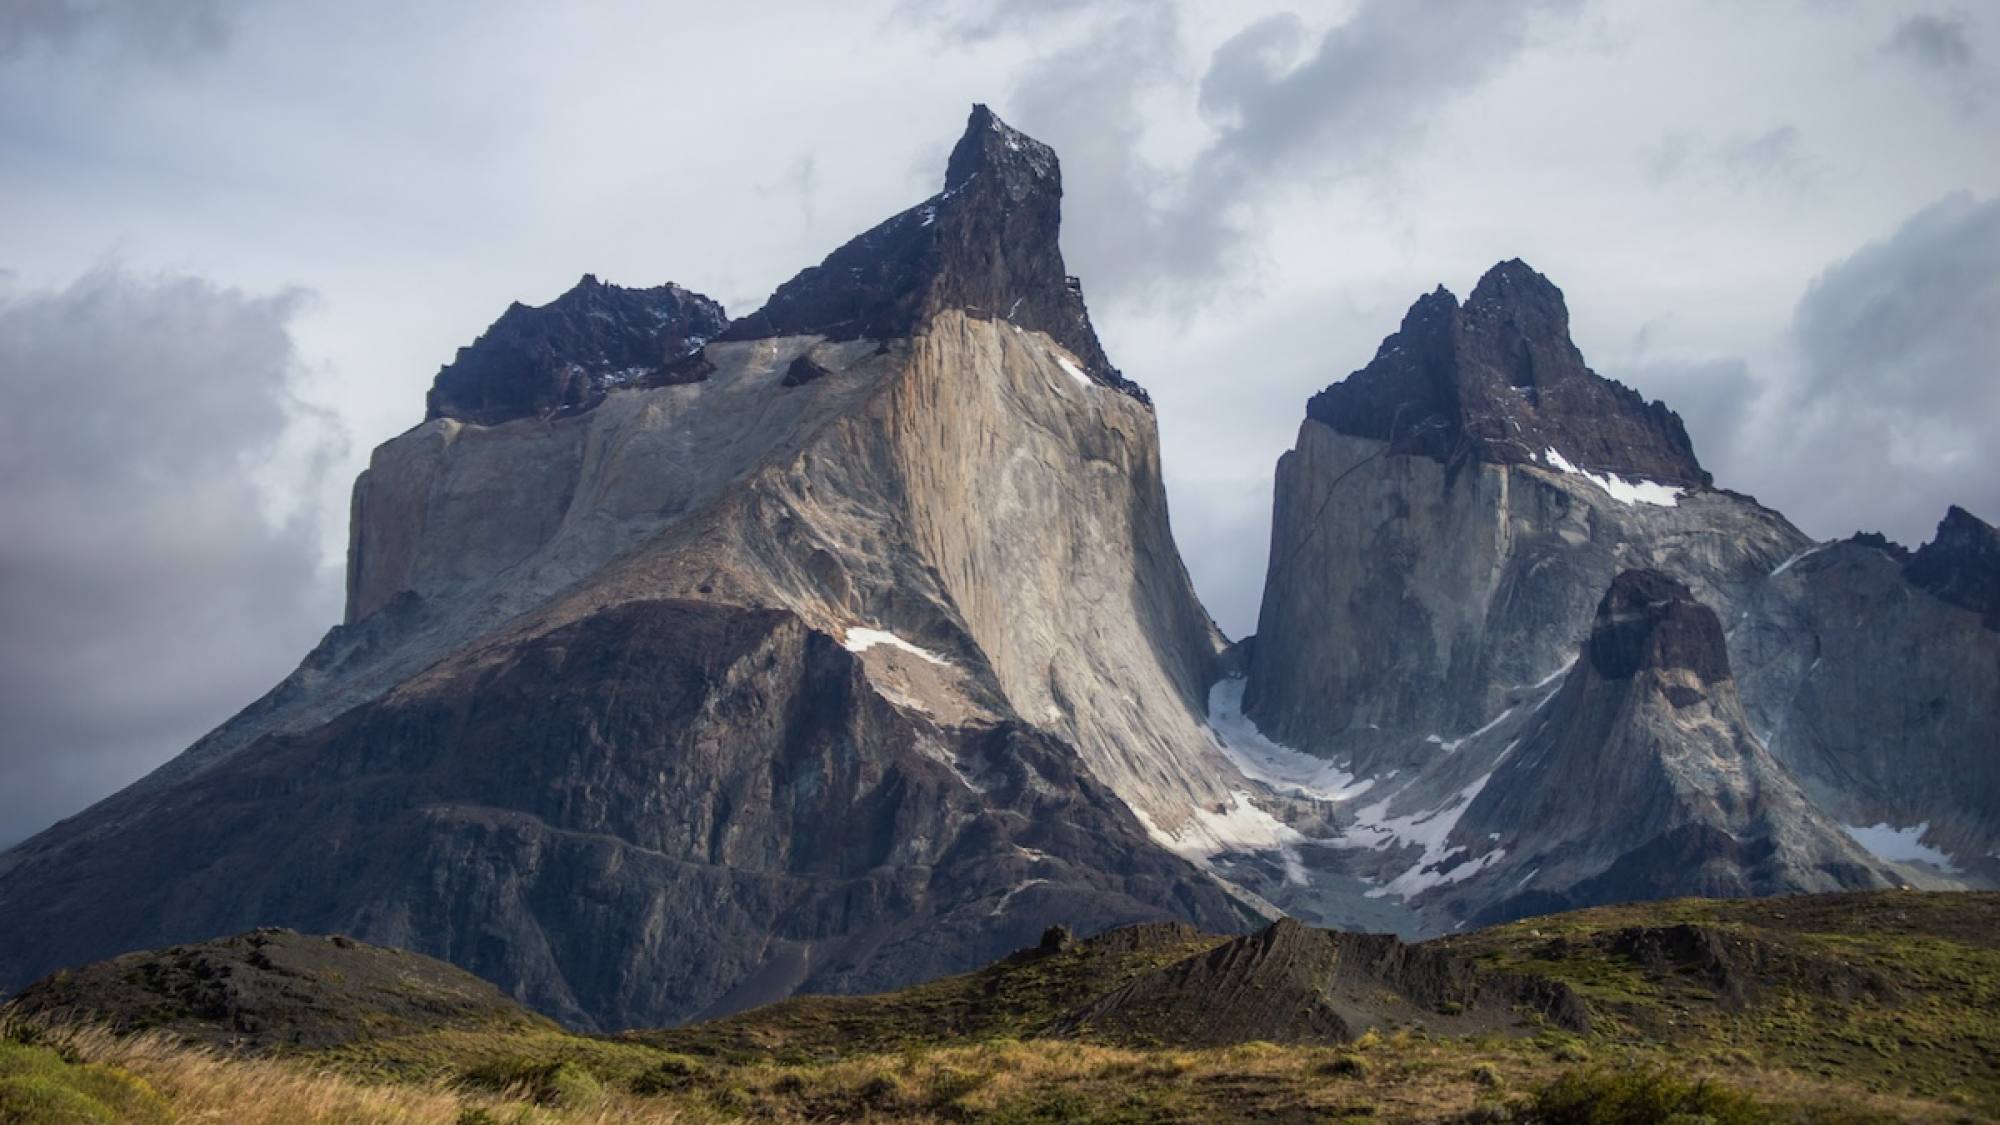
(978, 22)
(1901, 382)
(146, 589)
(1713, 396)
(1941, 47)
(163, 29)
(1287, 109)
(1933, 40)
(1775, 158)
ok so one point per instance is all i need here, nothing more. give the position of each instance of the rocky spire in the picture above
(1498, 379)
(1650, 622)
(987, 244)
(564, 355)
(1961, 565)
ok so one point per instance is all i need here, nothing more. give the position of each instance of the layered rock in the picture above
(859, 656)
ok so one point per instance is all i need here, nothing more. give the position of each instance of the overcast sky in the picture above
(238, 237)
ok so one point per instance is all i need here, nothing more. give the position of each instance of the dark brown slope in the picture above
(275, 989)
(1291, 983)
(665, 810)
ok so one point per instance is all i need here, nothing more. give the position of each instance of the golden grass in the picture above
(203, 1086)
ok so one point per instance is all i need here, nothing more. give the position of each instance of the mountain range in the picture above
(693, 662)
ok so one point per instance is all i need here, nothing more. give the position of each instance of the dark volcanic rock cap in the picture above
(1961, 565)
(566, 354)
(1650, 621)
(1497, 379)
(986, 244)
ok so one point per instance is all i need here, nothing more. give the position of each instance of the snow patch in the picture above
(1900, 845)
(1276, 765)
(1794, 560)
(1239, 826)
(1624, 491)
(861, 640)
(1000, 907)
(1072, 370)
(1374, 828)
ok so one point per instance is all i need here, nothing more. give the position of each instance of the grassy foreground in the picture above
(1836, 1009)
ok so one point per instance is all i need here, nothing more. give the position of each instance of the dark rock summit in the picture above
(1961, 565)
(1650, 621)
(987, 244)
(1498, 380)
(566, 354)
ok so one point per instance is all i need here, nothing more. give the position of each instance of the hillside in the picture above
(1851, 1007)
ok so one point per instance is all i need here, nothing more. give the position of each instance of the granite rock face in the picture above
(829, 659)
(1642, 779)
(1883, 697)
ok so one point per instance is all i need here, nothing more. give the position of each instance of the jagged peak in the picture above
(564, 355)
(1497, 379)
(991, 146)
(1648, 621)
(1961, 565)
(987, 246)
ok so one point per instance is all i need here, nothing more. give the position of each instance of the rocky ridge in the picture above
(567, 354)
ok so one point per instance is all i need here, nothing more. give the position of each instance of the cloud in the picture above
(1282, 110)
(1933, 41)
(1941, 47)
(150, 583)
(159, 29)
(1775, 158)
(989, 19)
(1900, 344)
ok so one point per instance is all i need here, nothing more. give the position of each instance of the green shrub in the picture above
(1638, 1097)
(671, 1074)
(38, 1087)
(1344, 1066)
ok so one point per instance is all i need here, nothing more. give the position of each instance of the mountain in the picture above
(689, 665)
(1464, 528)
